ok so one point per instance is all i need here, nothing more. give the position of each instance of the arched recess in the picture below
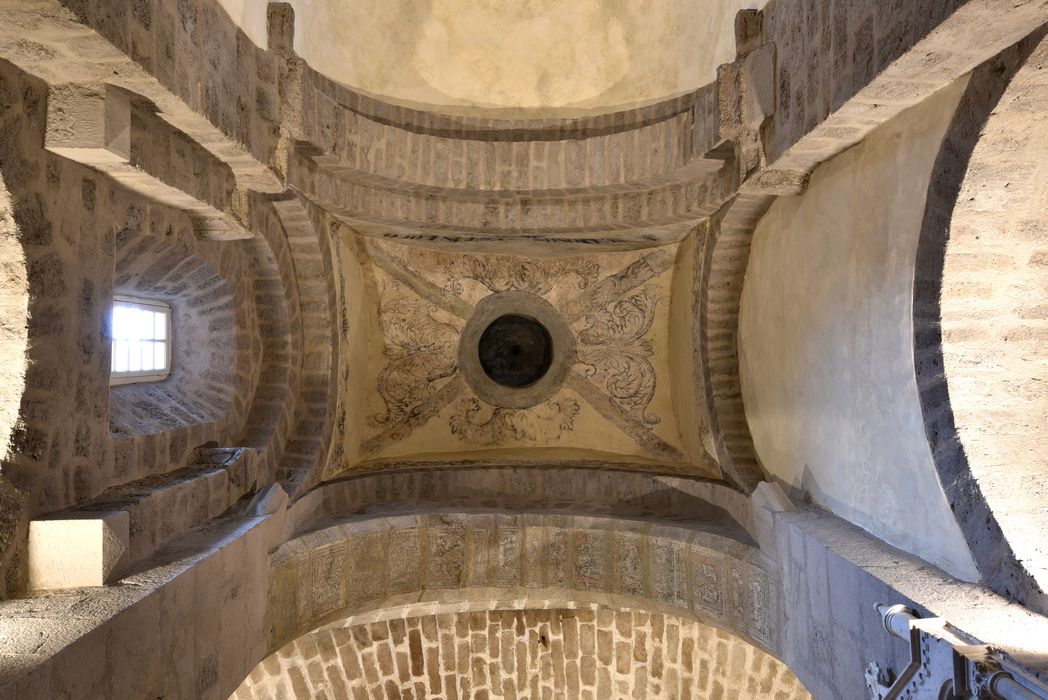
(826, 363)
(980, 321)
(203, 379)
(380, 562)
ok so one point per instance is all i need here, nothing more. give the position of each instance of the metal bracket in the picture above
(946, 664)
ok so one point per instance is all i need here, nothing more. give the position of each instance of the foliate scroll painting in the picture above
(614, 401)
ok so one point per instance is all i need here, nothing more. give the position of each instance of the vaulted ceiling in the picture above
(721, 217)
(537, 55)
(626, 393)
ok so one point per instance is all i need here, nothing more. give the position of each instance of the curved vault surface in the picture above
(535, 54)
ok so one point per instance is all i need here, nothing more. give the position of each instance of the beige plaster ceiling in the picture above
(626, 397)
(589, 54)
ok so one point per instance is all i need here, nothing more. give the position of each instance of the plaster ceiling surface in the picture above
(622, 392)
(533, 54)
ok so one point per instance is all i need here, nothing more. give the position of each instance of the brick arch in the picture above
(723, 271)
(563, 648)
(978, 314)
(302, 390)
(377, 563)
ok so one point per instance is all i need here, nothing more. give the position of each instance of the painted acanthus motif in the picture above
(478, 423)
(504, 274)
(420, 349)
(613, 352)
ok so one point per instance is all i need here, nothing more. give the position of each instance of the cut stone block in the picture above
(69, 551)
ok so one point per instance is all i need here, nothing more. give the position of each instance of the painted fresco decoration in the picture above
(481, 424)
(420, 350)
(613, 351)
(503, 273)
(425, 298)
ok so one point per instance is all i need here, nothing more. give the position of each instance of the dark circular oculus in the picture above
(515, 351)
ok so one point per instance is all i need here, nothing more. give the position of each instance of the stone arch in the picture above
(375, 563)
(978, 313)
(298, 265)
(580, 490)
(724, 267)
(488, 536)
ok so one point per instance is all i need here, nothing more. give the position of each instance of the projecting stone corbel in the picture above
(73, 550)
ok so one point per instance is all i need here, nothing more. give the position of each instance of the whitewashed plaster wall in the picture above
(826, 340)
(523, 54)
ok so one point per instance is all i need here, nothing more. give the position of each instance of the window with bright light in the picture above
(141, 333)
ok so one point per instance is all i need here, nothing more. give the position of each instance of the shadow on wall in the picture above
(202, 382)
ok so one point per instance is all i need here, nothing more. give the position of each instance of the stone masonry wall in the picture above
(62, 452)
(192, 219)
(195, 50)
(88, 233)
(364, 563)
(212, 349)
(589, 654)
(980, 321)
(14, 321)
(828, 51)
(14, 302)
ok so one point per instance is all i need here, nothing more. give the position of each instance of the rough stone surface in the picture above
(14, 301)
(370, 563)
(244, 307)
(979, 322)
